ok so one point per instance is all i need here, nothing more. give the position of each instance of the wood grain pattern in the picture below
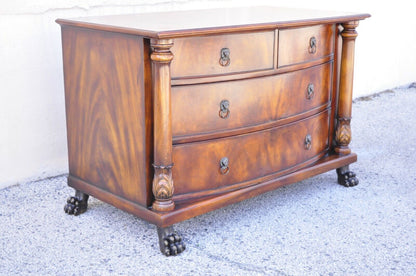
(252, 102)
(294, 44)
(250, 156)
(192, 208)
(343, 131)
(133, 117)
(211, 21)
(199, 56)
(149, 117)
(105, 111)
(335, 83)
(252, 74)
(162, 187)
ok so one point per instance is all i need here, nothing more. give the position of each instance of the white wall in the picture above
(32, 117)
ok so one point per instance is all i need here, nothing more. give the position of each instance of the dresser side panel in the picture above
(105, 108)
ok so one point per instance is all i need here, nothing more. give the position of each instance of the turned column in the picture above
(343, 129)
(162, 181)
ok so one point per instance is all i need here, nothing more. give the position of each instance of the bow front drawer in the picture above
(222, 54)
(237, 160)
(305, 44)
(228, 106)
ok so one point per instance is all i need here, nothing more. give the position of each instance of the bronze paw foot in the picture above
(76, 205)
(170, 241)
(346, 177)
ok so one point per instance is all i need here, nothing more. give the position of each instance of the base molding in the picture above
(187, 209)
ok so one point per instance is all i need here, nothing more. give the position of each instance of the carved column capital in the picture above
(349, 31)
(161, 50)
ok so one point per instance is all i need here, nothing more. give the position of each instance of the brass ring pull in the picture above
(225, 57)
(224, 109)
(310, 91)
(308, 142)
(312, 45)
(224, 169)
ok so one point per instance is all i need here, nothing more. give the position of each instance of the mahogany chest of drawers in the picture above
(172, 115)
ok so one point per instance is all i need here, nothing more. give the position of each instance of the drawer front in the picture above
(222, 54)
(199, 109)
(305, 44)
(198, 165)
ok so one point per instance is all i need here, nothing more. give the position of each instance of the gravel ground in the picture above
(314, 227)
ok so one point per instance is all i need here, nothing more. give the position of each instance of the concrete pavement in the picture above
(314, 227)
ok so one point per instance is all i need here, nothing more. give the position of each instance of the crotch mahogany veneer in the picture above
(172, 115)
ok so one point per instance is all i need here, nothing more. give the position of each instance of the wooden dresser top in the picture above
(200, 22)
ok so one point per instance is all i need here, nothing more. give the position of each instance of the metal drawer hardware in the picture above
(224, 109)
(312, 45)
(310, 91)
(225, 57)
(308, 142)
(224, 169)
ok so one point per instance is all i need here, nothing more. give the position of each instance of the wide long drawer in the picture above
(218, 107)
(214, 164)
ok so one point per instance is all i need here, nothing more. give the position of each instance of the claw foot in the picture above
(76, 205)
(170, 241)
(346, 177)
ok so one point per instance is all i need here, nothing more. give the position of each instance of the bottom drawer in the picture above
(218, 163)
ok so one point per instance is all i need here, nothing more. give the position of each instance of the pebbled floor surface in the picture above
(314, 227)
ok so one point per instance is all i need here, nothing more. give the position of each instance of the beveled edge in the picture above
(213, 30)
(260, 26)
(100, 27)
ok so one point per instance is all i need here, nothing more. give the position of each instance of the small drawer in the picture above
(305, 44)
(213, 164)
(226, 106)
(222, 54)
